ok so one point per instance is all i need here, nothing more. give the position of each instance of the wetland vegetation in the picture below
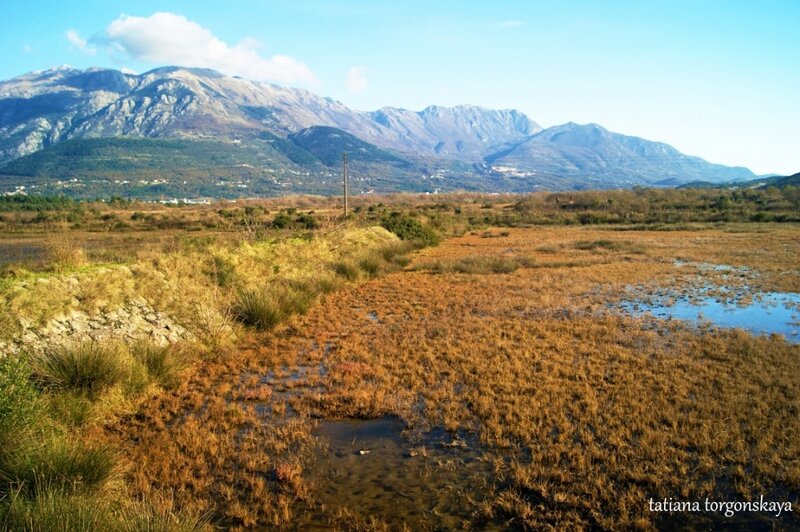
(459, 361)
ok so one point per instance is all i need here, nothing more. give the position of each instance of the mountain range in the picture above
(195, 132)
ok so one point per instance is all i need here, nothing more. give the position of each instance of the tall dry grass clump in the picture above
(64, 254)
(264, 308)
(164, 363)
(86, 367)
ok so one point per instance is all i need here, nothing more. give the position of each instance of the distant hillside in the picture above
(792, 180)
(328, 144)
(267, 165)
(201, 127)
(761, 182)
(598, 154)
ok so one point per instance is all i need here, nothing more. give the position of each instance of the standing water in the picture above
(373, 471)
(767, 312)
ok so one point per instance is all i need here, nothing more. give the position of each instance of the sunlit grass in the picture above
(87, 367)
(584, 413)
(478, 264)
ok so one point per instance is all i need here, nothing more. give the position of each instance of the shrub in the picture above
(281, 221)
(87, 367)
(307, 221)
(408, 228)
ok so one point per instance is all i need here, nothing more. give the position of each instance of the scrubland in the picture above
(494, 317)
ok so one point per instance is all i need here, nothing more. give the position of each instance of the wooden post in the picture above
(344, 181)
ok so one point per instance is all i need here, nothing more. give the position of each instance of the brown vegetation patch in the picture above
(597, 411)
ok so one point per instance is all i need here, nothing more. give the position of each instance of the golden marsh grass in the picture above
(589, 412)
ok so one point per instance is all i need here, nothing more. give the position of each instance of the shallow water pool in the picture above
(766, 313)
(425, 481)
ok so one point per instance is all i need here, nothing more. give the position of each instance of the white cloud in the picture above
(126, 70)
(27, 48)
(357, 79)
(79, 42)
(171, 39)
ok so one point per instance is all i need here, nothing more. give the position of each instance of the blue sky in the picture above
(718, 79)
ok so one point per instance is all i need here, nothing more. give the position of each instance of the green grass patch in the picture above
(348, 269)
(623, 246)
(21, 410)
(164, 363)
(264, 308)
(57, 464)
(71, 409)
(478, 265)
(56, 510)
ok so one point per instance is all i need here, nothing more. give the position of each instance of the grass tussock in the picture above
(372, 263)
(63, 510)
(58, 464)
(164, 363)
(71, 409)
(624, 246)
(63, 254)
(265, 308)
(21, 410)
(478, 264)
(87, 368)
(348, 269)
(56, 510)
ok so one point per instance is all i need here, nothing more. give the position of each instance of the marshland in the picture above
(544, 361)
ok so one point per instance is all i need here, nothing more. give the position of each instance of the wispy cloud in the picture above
(27, 48)
(169, 38)
(357, 79)
(79, 42)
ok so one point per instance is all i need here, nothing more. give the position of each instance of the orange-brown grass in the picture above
(595, 412)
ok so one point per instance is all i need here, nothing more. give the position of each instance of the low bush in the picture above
(408, 228)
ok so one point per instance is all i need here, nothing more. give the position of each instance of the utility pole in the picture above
(344, 181)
